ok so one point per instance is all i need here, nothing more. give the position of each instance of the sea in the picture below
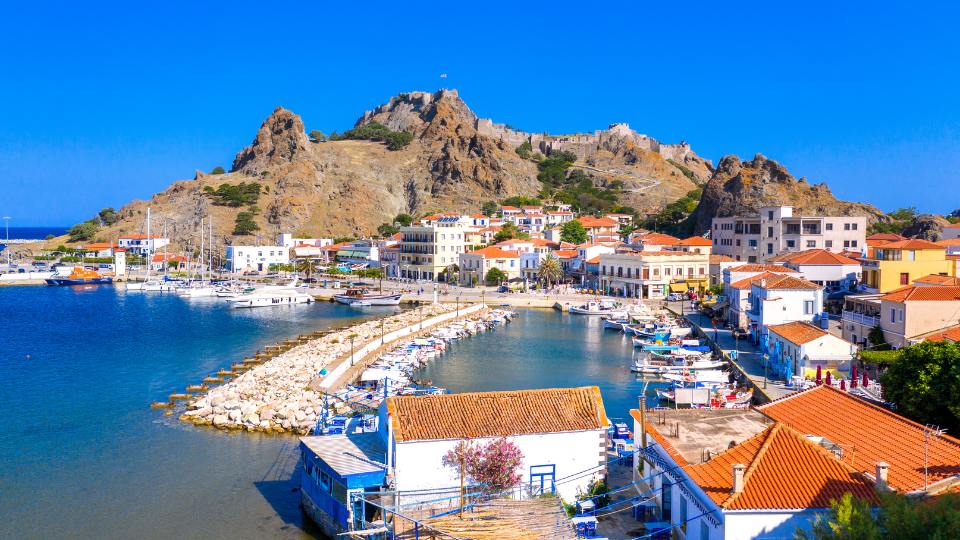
(29, 233)
(82, 455)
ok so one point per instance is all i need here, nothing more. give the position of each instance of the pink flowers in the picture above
(495, 466)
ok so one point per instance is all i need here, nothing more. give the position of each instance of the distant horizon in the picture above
(114, 102)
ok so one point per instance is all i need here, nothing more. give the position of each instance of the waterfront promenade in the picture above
(749, 357)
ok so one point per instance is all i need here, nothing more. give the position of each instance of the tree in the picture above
(82, 231)
(877, 340)
(386, 229)
(849, 518)
(490, 208)
(906, 518)
(317, 136)
(218, 170)
(397, 140)
(244, 224)
(107, 216)
(509, 231)
(524, 150)
(305, 266)
(550, 270)
(495, 276)
(403, 220)
(573, 232)
(924, 383)
(493, 467)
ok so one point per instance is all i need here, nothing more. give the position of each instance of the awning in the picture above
(678, 287)
(720, 306)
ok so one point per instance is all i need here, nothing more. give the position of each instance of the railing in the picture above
(860, 318)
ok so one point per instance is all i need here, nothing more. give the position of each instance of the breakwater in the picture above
(285, 393)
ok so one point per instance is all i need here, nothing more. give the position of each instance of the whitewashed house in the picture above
(741, 272)
(825, 268)
(798, 348)
(256, 258)
(782, 299)
(142, 244)
(562, 433)
(475, 264)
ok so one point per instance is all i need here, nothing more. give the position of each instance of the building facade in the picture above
(475, 265)
(897, 264)
(427, 250)
(649, 274)
(776, 230)
(141, 244)
(256, 258)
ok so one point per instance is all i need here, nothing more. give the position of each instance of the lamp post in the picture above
(766, 357)
(381, 329)
(420, 313)
(458, 305)
(351, 347)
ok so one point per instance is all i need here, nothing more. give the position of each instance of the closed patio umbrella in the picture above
(829, 379)
(843, 384)
(853, 377)
(819, 375)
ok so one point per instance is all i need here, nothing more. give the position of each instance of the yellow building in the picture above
(897, 264)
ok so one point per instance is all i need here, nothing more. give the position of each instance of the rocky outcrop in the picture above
(279, 140)
(926, 227)
(740, 188)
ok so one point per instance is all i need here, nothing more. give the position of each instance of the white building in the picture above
(287, 240)
(776, 231)
(141, 244)
(419, 430)
(951, 231)
(740, 272)
(782, 299)
(825, 268)
(652, 274)
(797, 349)
(256, 258)
(475, 264)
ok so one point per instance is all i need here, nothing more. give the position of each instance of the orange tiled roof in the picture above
(852, 254)
(818, 257)
(716, 259)
(744, 283)
(787, 282)
(595, 260)
(98, 245)
(912, 243)
(797, 332)
(590, 222)
(920, 293)
(776, 268)
(868, 434)
(950, 334)
(783, 470)
(494, 252)
(936, 279)
(889, 237)
(949, 242)
(496, 414)
(565, 253)
(509, 208)
(659, 239)
(695, 241)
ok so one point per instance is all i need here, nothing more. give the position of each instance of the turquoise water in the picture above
(83, 456)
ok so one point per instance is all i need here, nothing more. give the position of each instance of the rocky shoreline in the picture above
(275, 396)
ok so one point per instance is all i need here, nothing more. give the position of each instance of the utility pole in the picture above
(463, 457)
(6, 247)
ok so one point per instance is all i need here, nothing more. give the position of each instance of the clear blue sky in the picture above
(101, 104)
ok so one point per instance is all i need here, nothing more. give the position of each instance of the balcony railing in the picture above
(860, 318)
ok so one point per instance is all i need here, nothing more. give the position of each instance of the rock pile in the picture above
(275, 397)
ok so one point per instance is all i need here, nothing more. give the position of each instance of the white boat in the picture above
(615, 324)
(360, 303)
(643, 367)
(375, 298)
(152, 285)
(197, 290)
(706, 377)
(272, 295)
(603, 307)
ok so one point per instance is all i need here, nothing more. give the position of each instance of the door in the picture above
(542, 478)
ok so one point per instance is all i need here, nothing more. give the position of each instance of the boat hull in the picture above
(80, 281)
(373, 299)
(269, 301)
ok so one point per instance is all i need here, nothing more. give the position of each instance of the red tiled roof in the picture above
(936, 279)
(509, 208)
(798, 333)
(98, 245)
(591, 222)
(496, 414)
(744, 283)
(659, 239)
(716, 259)
(950, 334)
(494, 252)
(695, 241)
(776, 268)
(915, 293)
(889, 237)
(949, 242)
(160, 257)
(565, 253)
(787, 282)
(138, 237)
(594, 260)
(912, 243)
(783, 470)
(818, 257)
(868, 434)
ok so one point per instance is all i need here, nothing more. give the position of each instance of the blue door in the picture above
(542, 478)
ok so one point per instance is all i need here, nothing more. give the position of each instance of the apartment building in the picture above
(908, 314)
(897, 264)
(256, 258)
(860, 315)
(951, 231)
(475, 264)
(650, 274)
(776, 230)
(427, 250)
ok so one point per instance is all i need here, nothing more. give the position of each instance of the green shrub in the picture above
(244, 224)
(242, 194)
(395, 140)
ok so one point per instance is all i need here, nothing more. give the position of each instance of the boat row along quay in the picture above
(285, 390)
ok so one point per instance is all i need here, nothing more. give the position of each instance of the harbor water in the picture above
(83, 456)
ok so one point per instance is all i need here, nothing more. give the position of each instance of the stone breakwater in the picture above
(275, 396)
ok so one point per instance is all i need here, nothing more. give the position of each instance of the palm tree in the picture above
(550, 270)
(305, 266)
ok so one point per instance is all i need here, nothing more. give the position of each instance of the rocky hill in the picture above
(742, 188)
(455, 162)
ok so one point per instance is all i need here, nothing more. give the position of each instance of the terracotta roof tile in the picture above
(494, 252)
(717, 259)
(565, 253)
(660, 239)
(921, 293)
(496, 414)
(745, 283)
(784, 470)
(764, 268)
(889, 237)
(950, 334)
(592, 222)
(818, 257)
(868, 434)
(936, 279)
(949, 242)
(798, 332)
(787, 282)
(912, 243)
(695, 241)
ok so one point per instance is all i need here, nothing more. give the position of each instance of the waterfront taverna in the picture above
(561, 432)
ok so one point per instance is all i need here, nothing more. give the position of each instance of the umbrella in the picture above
(843, 384)
(829, 379)
(819, 375)
(853, 377)
(866, 381)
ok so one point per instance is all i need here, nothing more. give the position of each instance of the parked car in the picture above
(675, 297)
(741, 333)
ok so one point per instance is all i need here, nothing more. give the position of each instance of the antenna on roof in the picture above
(928, 431)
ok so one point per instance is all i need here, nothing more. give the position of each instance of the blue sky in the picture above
(102, 103)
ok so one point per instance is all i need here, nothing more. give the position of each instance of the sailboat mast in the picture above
(200, 258)
(149, 256)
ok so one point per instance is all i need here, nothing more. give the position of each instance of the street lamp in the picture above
(458, 305)
(381, 329)
(6, 247)
(766, 358)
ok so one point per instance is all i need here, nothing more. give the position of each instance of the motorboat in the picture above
(615, 324)
(272, 295)
(602, 307)
(360, 303)
(79, 276)
(152, 285)
(197, 289)
(374, 298)
(641, 366)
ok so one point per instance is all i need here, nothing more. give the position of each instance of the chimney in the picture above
(763, 283)
(881, 476)
(738, 477)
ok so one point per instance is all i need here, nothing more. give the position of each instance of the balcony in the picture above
(860, 318)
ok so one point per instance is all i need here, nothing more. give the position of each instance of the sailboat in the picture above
(202, 288)
(148, 284)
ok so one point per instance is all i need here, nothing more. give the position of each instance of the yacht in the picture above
(363, 295)
(272, 295)
(602, 307)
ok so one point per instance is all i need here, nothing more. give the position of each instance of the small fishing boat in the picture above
(80, 276)
(615, 324)
(603, 307)
(374, 298)
(360, 303)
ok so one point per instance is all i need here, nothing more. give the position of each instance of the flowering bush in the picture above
(495, 466)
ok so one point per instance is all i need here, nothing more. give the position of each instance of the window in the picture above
(325, 484)
(769, 214)
(893, 315)
(703, 271)
(811, 243)
(828, 243)
(901, 315)
(853, 226)
(752, 243)
(738, 242)
(904, 278)
(769, 249)
(853, 243)
(846, 226)
(846, 243)
(829, 226)
(911, 255)
(791, 244)
(808, 307)
(769, 232)
(666, 271)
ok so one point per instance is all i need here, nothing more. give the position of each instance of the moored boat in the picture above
(374, 298)
(80, 276)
